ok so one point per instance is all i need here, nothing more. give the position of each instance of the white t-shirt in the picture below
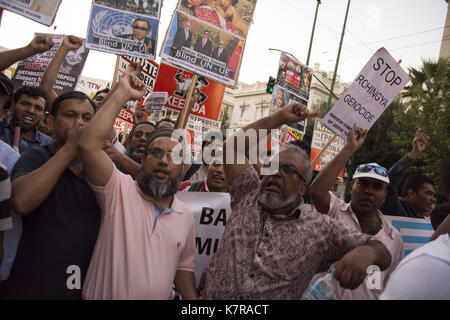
(423, 275)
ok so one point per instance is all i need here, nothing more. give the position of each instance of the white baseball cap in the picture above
(371, 170)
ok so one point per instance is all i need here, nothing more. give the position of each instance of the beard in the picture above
(157, 190)
(271, 201)
(135, 155)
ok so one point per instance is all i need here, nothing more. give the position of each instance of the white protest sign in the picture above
(370, 94)
(211, 211)
(156, 101)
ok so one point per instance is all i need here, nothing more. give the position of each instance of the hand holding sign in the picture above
(41, 43)
(71, 43)
(356, 138)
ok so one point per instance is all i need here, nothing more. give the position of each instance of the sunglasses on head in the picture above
(381, 171)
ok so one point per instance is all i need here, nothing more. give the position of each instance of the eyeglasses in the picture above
(158, 154)
(140, 28)
(285, 171)
(381, 171)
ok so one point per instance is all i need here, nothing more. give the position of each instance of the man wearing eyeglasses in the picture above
(368, 191)
(146, 242)
(272, 246)
(141, 31)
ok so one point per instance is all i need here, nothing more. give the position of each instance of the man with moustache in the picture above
(138, 140)
(272, 246)
(146, 242)
(28, 109)
(368, 190)
(59, 211)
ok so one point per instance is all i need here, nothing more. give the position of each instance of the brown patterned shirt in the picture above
(263, 256)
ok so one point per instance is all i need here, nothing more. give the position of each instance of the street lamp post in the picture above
(312, 33)
(337, 59)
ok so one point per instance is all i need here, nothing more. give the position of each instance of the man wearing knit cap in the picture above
(146, 242)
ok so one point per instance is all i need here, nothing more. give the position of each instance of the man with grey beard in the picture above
(146, 240)
(272, 246)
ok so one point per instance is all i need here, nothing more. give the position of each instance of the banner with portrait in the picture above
(230, 16)
(281, 97)
(42, 11)
(29, 71)
(294, 75)
(124, 27)
(197, 46)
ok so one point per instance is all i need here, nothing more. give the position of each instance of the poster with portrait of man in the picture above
(122, 32)
(42, 11)
(145, 7)
(233, 16)
(29, 71)
(201, 48)
(294, 75)
(282, 97)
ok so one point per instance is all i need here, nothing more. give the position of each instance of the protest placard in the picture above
(125, 28)
(156, 101)
(415, 232)
(90, 85)
(202, 48)
(294, 75)
(205, 113)
(29, 71)
(147, 76)
(230, 16)
(281, 97)
(42, 11)
(370, 94)
(320, 138)
(211, 211)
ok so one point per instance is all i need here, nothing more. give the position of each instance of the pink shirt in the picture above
(129, 262)
(387, 235)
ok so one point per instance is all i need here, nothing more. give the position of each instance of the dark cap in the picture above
(158, 133)
(6, 85)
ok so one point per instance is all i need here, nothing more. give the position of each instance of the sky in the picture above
(411, 30)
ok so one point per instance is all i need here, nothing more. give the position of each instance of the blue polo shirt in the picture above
(7, 135)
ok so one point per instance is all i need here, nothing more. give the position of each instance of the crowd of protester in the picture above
(84, 216)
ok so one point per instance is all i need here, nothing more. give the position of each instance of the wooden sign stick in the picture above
(323, 149)
(184, 115)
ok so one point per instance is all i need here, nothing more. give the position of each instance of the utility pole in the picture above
(312, 33)
(337, 59)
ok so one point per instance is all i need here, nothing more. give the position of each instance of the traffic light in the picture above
(270, 85)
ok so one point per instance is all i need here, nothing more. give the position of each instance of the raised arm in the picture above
(291, 113)
(40, 43)
(97, 164)
(318, 191)
(398, 171)
(131, 166)
(30, 190)
(51, 73)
